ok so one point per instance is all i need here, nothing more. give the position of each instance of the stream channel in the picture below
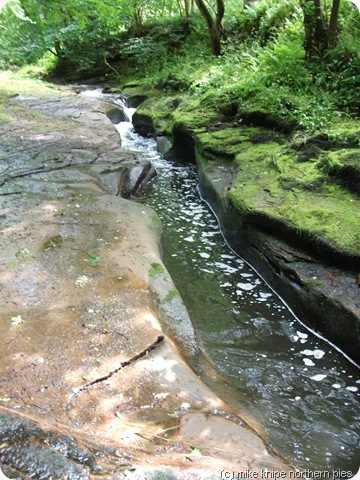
(302, 391)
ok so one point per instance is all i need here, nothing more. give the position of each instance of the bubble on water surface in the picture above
(318, 378)
(265, 295)
(205, 270)
(246, 286)
(229, 257)
(313, 353)
(308, 362)
(352, 389)
(302, 335)
(225, 267)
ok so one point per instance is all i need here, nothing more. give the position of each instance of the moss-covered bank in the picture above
(288, 202)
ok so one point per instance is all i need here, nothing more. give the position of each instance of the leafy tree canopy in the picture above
(297, 59)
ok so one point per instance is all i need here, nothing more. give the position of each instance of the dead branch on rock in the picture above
(124, 364)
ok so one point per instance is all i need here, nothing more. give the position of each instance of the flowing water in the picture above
(300, 388)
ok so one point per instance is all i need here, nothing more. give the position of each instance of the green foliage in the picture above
(44, 66)
(20, 38)
(264, 69)
(260, 20)
(263, 66)
(31, 28)
(93, 258)
(196, 451)
(155, 44)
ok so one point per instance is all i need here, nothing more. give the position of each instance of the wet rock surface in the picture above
(94, 380)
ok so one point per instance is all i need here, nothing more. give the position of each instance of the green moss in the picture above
(314, 282)
(156, 109)
(172, 293)
(12, 84)
(271, 183)
(4, 117)
(345, 132)
(155, 269)
(274, 180)
(53, 242)
(156, 222)
(167, 110)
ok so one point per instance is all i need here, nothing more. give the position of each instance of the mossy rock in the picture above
(259, 118)
(344, 166)
(299, 186)
(271, 184)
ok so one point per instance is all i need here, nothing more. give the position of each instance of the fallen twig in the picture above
(126, 363)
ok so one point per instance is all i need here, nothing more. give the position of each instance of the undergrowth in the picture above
(263, 66)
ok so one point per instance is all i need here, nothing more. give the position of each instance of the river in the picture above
(300, 388)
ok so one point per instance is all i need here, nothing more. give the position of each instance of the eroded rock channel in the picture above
(271, 366)
(95, 332)
(95, 382)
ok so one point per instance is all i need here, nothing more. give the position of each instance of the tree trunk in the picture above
(187, 4)
(59, 52)
(315, 36)
(332, 31)
(320, 35)
(214, 25)
(137, 18)
(220, 12)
